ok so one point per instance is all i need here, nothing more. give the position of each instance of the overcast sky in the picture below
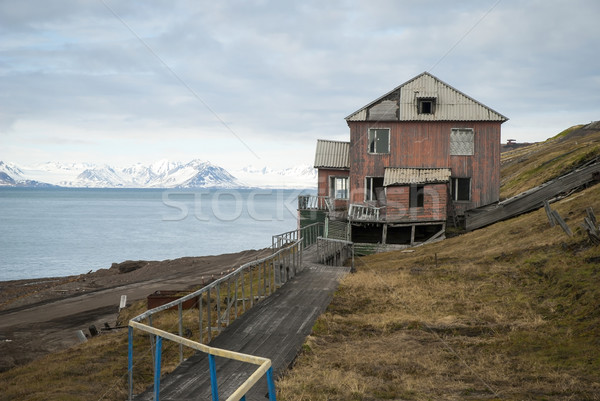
(257, 82)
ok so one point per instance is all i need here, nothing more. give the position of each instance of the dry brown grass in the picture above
(97, 369)
(508, 312)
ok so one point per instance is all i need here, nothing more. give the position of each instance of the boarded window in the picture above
(462, 142)
(338, 187)
(417, 198)
(379, 140)
(461, 189)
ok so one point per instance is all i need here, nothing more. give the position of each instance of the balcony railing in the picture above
(313, 202)
(365, 213)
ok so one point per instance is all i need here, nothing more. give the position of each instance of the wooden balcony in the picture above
(366, 213)
(313, 202)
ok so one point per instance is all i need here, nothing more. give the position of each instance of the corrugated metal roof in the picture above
(404, 176)
(451, 104)
(332, 154)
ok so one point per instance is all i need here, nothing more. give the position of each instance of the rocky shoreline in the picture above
(39, 316)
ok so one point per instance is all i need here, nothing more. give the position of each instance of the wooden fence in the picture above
(335, 252)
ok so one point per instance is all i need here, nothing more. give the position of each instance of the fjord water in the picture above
(51, 232)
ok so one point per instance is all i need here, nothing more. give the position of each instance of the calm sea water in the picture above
(65, 231)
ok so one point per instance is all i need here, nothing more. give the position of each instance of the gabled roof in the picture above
(400, 104)
(332, 154)
(405, 176)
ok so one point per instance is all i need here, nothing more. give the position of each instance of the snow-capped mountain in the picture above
(161, 174)
(303, 176)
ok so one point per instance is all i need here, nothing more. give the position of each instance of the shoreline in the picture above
(40, 316)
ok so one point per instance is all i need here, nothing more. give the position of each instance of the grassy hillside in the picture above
(508, 312)
(530, 166)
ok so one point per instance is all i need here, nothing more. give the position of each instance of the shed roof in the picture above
(400, 104)
(332, 154)
(404, 176)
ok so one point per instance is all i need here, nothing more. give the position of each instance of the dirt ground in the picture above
(40, 316)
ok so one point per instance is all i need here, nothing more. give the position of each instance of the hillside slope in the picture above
(507, 312)
(532, 165)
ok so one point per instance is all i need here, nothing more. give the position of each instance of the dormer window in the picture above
(426, 105)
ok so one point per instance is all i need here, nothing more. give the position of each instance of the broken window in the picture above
(461, 189)
(379, 140)
(371, 185)
(462, 142)
(338, 187)
(417, 197)
(426, 106)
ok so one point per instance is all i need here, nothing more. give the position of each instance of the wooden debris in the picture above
(590, 224)
(562, 223)
(549, 214)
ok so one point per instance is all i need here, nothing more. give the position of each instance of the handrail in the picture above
(276, 269)
(264, 363)
(313, 202)
(309, 234)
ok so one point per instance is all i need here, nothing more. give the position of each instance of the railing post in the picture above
(200, 318)
(271, 385)
(208, 315)
(218, 286)
(130, 361)
(213, 377)
(180, 310)
(157, 368)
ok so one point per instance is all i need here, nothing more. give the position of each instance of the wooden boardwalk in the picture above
(532, 199)
(275, 328)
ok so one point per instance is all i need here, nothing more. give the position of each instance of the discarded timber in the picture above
(532, 199)
(591, 226)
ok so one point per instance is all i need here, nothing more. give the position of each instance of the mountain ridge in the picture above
(160, 174)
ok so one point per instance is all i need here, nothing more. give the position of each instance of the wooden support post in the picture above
(251, 294)
(180, 315)
(218, 287)
(237, 279)
(243, 292)
(562, 223)
(200, 318)
(208, 315)
(549, 213)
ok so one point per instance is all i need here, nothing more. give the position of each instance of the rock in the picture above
(129, 265)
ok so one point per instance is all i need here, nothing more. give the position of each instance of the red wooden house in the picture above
(419, 155)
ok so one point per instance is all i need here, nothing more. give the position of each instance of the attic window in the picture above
(426, 105)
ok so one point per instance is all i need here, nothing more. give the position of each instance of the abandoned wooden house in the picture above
(418, 156)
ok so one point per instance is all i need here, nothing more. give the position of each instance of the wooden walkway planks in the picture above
(530, 200)
(275, 328)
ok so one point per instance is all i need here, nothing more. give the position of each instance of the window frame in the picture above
(374, 141)
(416, 196)
(370, 194)
(333, 188)
(454, 188)
(422, 101)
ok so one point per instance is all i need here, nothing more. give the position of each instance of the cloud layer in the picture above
(257, 82)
